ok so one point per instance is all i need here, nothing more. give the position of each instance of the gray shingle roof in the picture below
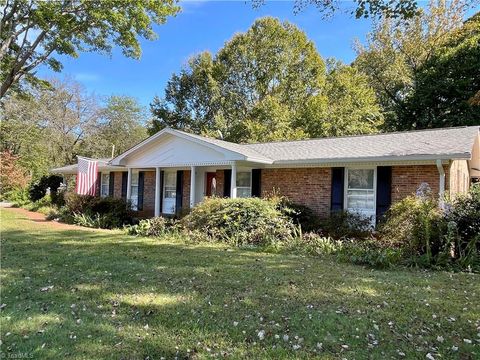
(72, 169)
(445, 143)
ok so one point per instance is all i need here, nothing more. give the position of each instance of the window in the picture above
(134, 190)
(360, 194)
(170, 187)
(244, 184)
(105, 184)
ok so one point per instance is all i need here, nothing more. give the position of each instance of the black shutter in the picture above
(338, 179)
(111, 183)
(256, 182)
(384, 190)
(179, 192)
(98, 184)
(141, 181)
(162, 174)
(227, 182)
(124, 185)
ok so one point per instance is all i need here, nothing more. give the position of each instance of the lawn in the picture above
(87, 294)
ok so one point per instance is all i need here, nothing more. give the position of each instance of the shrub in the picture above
(415, 224)
(251, 221)
(38, 189)
(19, 197)
(156, 227)
(103, 212)
(300, 215)
(370, 253)
(313, 244)
(344, 224)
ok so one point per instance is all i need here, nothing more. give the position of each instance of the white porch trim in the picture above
(233, 182)
(157, 191)
(129, 184)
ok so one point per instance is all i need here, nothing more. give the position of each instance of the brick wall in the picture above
(306, 186)
(186, 190)
(407, 179)
(149, 191)
(117, 184)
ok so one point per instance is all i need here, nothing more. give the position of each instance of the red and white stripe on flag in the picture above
(87, 176)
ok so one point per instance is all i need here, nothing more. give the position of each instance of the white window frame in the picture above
(245, 187)
(345, 189)
(103, 185)
(134, 198)
(166, 200)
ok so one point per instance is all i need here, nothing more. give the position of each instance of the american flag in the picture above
(87, 176)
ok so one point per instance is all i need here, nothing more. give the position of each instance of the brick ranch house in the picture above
(172, 170)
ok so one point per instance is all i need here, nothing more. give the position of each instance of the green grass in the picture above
(116, 296)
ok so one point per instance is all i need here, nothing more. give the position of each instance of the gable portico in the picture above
(180, 159)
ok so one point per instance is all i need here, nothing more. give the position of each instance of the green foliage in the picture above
(300, 215)
(431, 237)
(313, 244)
(447, 83)
(346, 106)
(347, 225)
(415, 223)
(371, 253)
(268, 83)
(68, 27)
(19, 197)
(107, 212)
(463, 227)
(120, 124)
(404, 9)
(38, 189)
(156, 226)
(250, 221)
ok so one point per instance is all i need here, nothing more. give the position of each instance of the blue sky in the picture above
(203, 25)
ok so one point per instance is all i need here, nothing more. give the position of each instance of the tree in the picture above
(257, 87)
(31, 31)
(12, 175)
(120, 124)
(448, 83)
(348, 105)
(48, 127)
(404, 9)
(395, 50)
(194, 96)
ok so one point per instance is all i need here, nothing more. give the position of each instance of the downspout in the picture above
(441, 191)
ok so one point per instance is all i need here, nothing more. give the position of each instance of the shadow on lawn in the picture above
(139, 298)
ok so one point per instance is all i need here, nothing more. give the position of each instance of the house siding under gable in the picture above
(459, 177)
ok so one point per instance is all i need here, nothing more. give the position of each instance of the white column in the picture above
(157, 191)
(233, 183)
(193, 171)
(129, 184)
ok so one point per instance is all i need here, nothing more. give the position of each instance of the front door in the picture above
(211, 184)
(169, 192)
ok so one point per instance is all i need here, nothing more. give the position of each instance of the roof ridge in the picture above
(362, 135)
